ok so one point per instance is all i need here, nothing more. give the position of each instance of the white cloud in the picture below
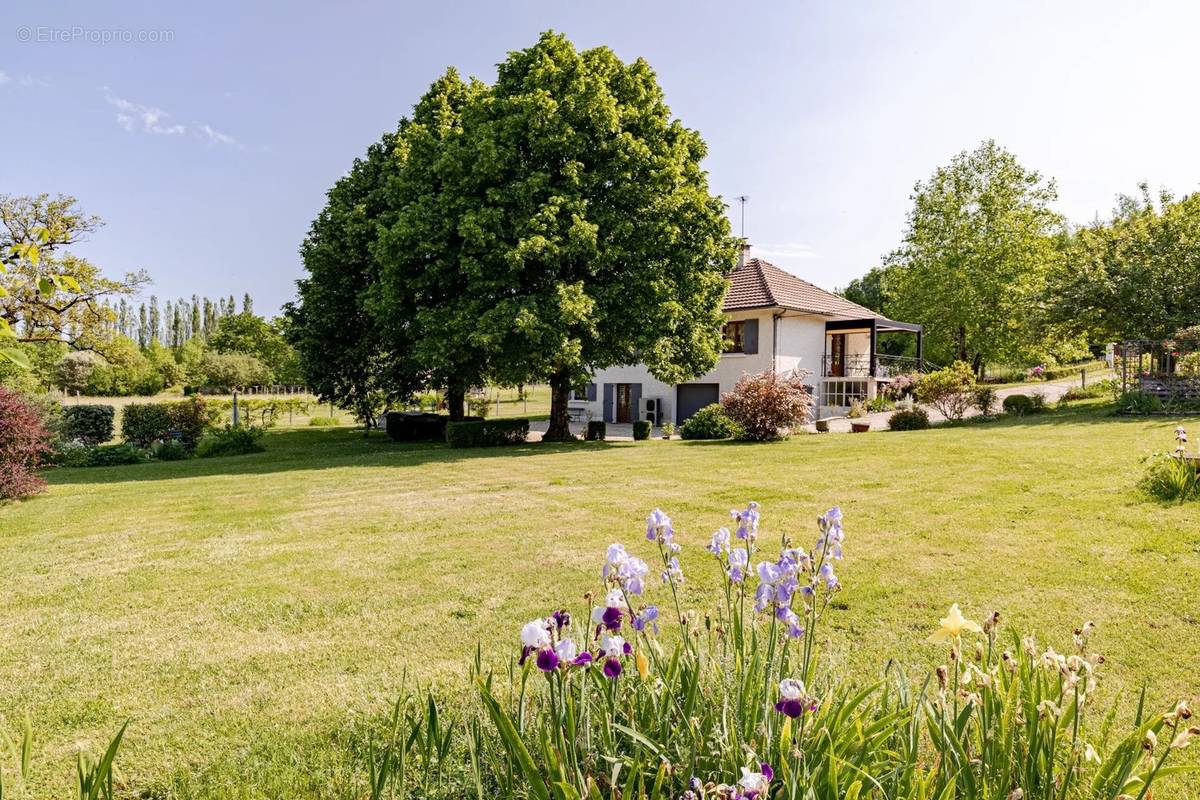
(4, 77)
(784, 250)
(136, 117)
(217, 136)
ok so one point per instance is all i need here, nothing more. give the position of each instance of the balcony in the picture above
(863, 365)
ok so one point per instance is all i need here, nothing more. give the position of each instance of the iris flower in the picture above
(953, 625)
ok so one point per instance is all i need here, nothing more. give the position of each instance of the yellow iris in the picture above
(643, 664)
(953, 624)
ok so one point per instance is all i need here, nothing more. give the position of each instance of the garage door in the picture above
(691, 397)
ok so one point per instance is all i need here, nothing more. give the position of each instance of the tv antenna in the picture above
(742, 198)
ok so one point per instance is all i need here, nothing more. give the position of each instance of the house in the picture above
(776, 321)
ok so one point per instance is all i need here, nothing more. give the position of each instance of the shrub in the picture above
(881, 402)
(1138, 403)
(596, 430)
(115, 455)
(24, 443)
(641, 429)
(984, 399)
(1018, 405)
(487, 433)
(858, 410)
(323, 422)
(769, 406)
(950, 390)
(478, 405)
(909, 420)
(90, 424)
(710, 422)
(231, 441)
(1170, 478)
(1037, 401)
(171, 450)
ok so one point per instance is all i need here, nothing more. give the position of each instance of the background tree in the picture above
(47, 294)
(975, 259)
(245, 333)
(1136, 276)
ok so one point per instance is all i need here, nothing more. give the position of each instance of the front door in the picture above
(837, 355)
(623, 401)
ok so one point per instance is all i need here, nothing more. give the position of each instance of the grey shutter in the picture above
(608, 402)
(750, 336)
(591, 392)
(635, 401)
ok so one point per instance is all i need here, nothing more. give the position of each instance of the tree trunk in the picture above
(977, 366)
(560, 423)
(962, 343)
(456, 396)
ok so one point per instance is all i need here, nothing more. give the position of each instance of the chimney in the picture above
(744, 255)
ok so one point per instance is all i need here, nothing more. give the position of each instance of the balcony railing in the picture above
(859, 365)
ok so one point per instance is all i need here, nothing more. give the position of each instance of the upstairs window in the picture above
(735, 336)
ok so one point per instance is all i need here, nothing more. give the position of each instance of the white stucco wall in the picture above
(801, 345)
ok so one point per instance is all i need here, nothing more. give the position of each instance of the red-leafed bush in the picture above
(24, 440)
(769, 406)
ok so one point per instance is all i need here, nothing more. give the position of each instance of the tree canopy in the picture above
(976, 255)
(541, 227)
(1136, 276)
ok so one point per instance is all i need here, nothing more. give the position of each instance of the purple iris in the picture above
(612, 667)
(547, 659)
(767, 772)
(525, 651)
(562, 619)
(791, 708)
(649, 616)
(583, 659)
(612, 618)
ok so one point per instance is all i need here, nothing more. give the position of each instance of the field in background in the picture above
(248, 614)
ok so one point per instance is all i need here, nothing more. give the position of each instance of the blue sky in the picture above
(206, 134)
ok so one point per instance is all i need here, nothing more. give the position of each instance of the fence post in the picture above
(235, 408)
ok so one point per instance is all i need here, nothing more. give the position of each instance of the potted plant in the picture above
(668, 429)
(823, 425)
(858, 417)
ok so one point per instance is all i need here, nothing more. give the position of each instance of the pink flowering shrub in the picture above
(769, 406)
(24, 442)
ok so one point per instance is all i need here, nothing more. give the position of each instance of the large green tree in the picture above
(1136, 276)
(979, 246)
(343, 353)
(247, 333)
(582, 230)
(420, 300)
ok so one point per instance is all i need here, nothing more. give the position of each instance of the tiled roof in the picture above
(760, 284)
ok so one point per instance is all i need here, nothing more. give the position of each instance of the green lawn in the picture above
(248, 613)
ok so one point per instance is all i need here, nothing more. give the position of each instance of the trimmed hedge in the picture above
(186, 421)
(405, 426)
(641, 429)
(90, 424)
(904, 420)
(596, 431)
(487, 433)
